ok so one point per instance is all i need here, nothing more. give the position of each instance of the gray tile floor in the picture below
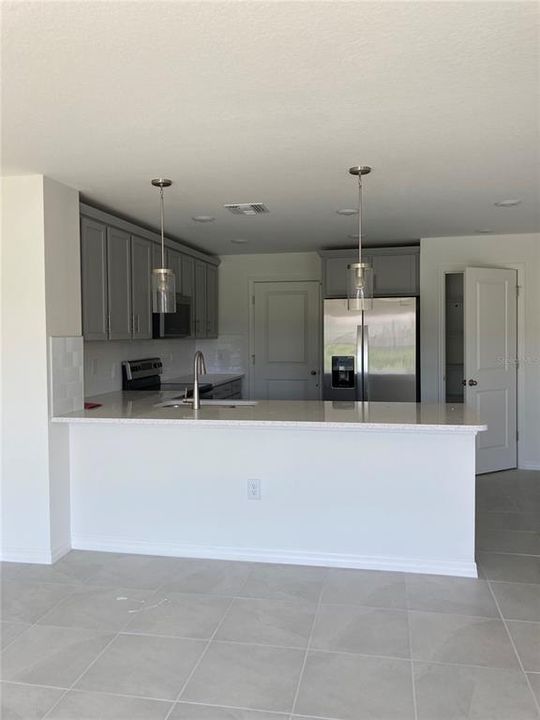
(121, 637)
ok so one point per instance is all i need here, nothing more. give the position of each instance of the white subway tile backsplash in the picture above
(66, 380)
(103, 361)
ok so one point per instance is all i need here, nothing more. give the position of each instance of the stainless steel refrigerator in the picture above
(371, 355)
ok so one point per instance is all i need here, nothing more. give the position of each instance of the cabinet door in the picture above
(395, 274)
(200, 299)
(156, 255)
(335, 276)
(94, 279)
(188, 284)
(174, 262)
(119, 284)
(212, 301)
(141, 292)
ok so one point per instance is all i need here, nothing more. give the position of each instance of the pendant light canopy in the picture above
(360, 274)
(163, 280)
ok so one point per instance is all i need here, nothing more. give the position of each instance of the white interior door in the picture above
(286, 354)
(490, 325)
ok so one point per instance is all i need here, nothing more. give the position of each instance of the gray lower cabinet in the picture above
(141, 291)
(395, 271)
(119, 284)
(200, 299)
(94, 279)
(211, 302)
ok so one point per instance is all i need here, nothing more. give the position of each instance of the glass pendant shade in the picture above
(163, 291)
(359, 286)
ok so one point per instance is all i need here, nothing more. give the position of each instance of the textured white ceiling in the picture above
(272, 102)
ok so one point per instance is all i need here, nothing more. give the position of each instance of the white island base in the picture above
(358, 495)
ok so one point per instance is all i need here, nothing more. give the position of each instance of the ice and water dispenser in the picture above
(343, 371)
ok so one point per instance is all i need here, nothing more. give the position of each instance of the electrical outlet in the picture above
(254, 489)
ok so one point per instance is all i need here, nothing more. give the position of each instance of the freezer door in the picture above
(389, 350)
(342, 371)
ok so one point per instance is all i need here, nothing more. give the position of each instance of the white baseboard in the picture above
(359, 562)
(529, 466)
(35, 556)
(59, 552)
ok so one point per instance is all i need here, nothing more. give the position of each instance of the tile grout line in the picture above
(503, 619)
(308, 644)
(87, 667)
(36, 621)
(409, 630)
(202, 656)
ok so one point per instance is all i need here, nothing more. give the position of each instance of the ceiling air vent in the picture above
(247, 208)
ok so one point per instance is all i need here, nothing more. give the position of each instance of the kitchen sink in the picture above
(180, 402)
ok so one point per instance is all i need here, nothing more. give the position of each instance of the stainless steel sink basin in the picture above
(205, 403)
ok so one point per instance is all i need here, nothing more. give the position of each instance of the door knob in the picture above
(313, 372)
(473, 382)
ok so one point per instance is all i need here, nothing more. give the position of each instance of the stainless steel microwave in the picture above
(176, 324)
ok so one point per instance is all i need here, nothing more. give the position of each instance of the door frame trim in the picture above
(251, 340)
(444, 270)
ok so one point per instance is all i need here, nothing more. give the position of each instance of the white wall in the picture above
(521, 251)
(231, 350)
(316, 507)
(40, 297)
(25, 486)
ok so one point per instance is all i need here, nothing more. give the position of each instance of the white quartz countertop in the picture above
(140, 407)
(214, 379)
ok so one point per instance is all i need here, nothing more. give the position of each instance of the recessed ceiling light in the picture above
(239, 241)
(507, 203)
(347, 211)
(484, 230)
(203, 218)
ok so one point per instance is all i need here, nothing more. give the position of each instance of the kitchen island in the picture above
(386, 486)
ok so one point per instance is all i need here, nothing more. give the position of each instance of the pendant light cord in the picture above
(360, 217)
(162, 224)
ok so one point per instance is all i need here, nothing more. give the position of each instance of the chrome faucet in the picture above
(199, 368)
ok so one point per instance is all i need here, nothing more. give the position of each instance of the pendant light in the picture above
(360, 274)
(163, 280)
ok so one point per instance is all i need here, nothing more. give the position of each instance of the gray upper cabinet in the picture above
(395, 274)
(188, 281)
(200, 299)
(188, 286)
(117, 258)
(335, 272)
(212, 302)
(174, 262)
(141, 291)
(395, 271)
(119, 284)
(94, 279)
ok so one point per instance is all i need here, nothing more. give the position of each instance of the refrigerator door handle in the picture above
(365, 361)
(359, 363)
